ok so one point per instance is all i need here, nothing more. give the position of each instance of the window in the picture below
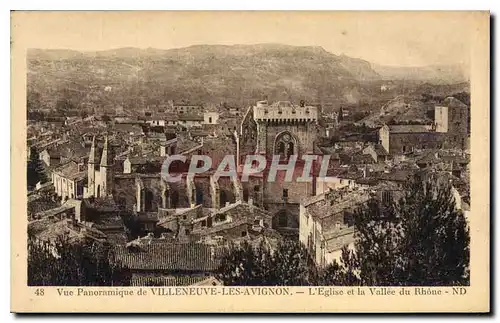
(386, 197)
(209, 119)
(184, 217)
(285, 193)
(243, 233)
(256, 188)
(220, 217)
(204, 223)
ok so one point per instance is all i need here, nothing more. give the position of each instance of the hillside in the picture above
(237, 74)
(435, 74)
(197, 73)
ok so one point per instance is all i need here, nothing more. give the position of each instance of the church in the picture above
(281, 128)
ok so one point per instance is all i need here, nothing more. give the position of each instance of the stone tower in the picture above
(285, 129)
(91, 170)
(106, 171)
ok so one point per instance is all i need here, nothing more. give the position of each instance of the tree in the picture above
(292, 264)
(422, 240)
(63, 263)
(35, 169)
(288, 265)
(240, 265)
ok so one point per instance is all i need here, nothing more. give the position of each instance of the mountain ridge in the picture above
(233, 73)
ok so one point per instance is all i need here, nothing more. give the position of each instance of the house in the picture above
(69, 180)
(142, 165)
(326, 222)
(160, 263)
(211, 117)
(233, 221)
(404, 139)
(191, 120)
(377, 153)
(104, 214)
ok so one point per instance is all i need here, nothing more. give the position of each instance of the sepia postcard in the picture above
(286, 161)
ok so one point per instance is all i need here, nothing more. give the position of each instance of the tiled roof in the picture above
(155, 280)
(334, 202)
(380, 150)
(398, 175)
(409, 128)
(101, 204)
(167, 256)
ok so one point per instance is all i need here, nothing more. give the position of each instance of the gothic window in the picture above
(174, 199)
(289, 151)
(386, 197)
(285, 145)
(245, 194)
(282, 219)
(281, 148)
(199, 196)
(223, 198)
(148, 200)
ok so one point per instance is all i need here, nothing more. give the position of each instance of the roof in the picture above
(70, 171)
(101, 204)
(167, 256)
(380, 150)
(190, 117)
(155, 280)
(334, 202)
(409, 128)
(454, 102)
(128, 128)
(397, 175)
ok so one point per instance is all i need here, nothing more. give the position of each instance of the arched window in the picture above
(174, 199)
(285, 145)
(281, 148)
(98, 191)
(282, 219)
(290, 150)
(199, 196)
(148, 200)
(223, 198)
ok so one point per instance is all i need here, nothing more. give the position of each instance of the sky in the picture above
(399, 39)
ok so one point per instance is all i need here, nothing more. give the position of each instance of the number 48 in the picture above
(39, 292)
